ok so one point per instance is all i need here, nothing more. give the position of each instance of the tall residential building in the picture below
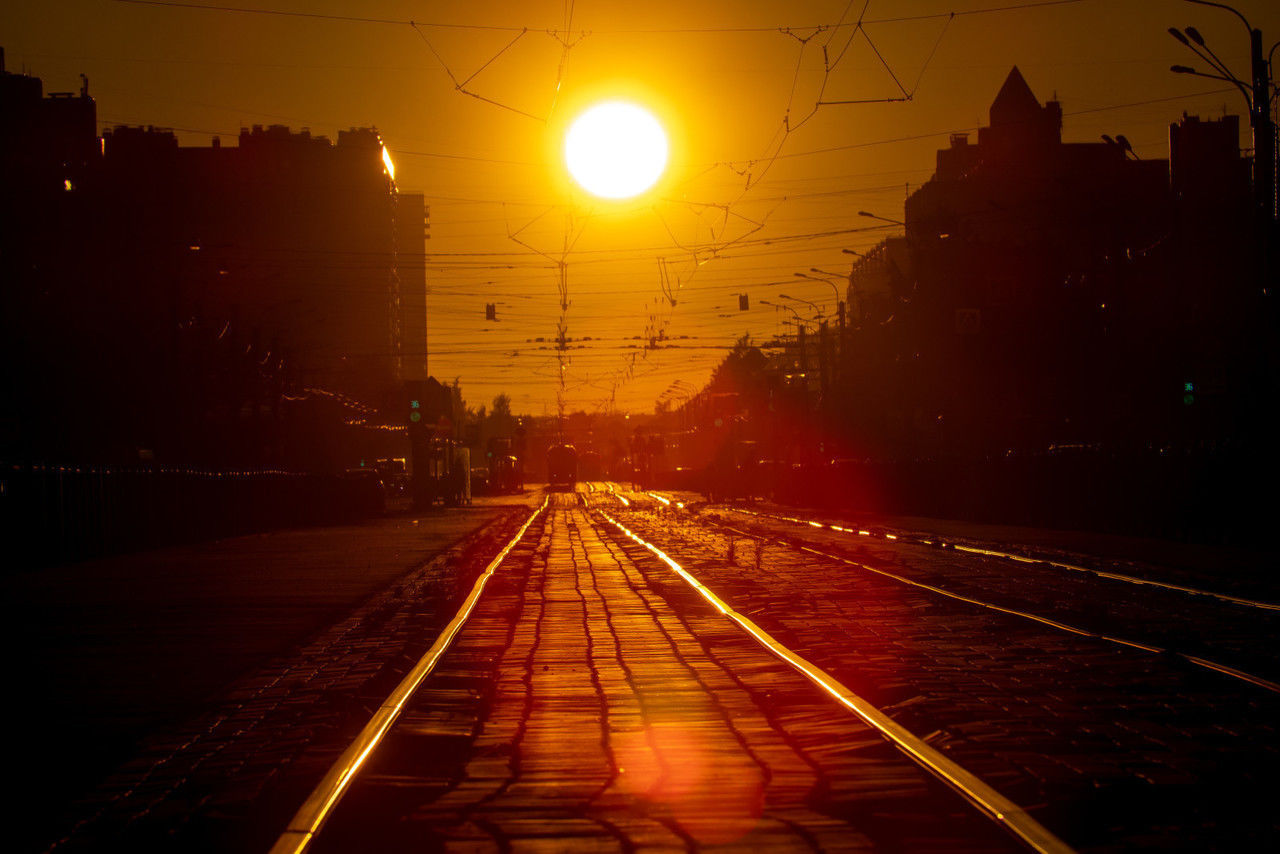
(192, 303)
(304, 244)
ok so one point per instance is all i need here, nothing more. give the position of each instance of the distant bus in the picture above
(562, 466)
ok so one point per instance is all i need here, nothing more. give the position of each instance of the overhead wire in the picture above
(359, 19)
(721, 240)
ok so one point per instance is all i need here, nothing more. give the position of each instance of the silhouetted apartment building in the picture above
(47, 143)
(1206, 171)
(49, 155)
(184, 295)
(1044, 289)
(879, 281)
(295, 240)
(1211, 186)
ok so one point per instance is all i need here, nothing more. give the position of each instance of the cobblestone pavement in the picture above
(228, 779)
(1222, 631)
(595, 702)
(1113, 749)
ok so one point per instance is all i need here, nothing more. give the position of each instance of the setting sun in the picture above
(616, 150)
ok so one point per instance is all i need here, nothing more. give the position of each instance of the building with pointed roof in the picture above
(1015, 245)
(1067, 333)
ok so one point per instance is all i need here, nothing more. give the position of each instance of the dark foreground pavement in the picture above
(116, 664)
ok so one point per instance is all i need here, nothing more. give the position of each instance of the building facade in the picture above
(1049, 293)
(198, 298)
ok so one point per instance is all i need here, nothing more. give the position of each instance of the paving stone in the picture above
(1074, 713)
(641, 717)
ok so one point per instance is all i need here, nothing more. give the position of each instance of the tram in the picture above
(562, 467)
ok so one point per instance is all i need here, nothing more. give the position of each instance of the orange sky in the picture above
(727, 219)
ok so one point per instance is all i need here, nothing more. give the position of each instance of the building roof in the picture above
(1015, 101)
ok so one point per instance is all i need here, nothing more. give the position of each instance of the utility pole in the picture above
(824, 383)
(1264, 132)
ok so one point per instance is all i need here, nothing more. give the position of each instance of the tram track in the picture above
(1162, 712)
(1015, 557)
(972, 788)
(1198, 660)
(611, 582)
(1208, 664)
(319, 805)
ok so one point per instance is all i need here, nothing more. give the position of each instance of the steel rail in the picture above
(977, 792)
(1217, 667)
(319, 805)
(1100, 573)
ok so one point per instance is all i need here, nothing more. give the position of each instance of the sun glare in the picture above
(615, 150)
(386, 162)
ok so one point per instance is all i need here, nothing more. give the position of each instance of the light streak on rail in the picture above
(999, 808)
(612, 488)
(1218, 667)
(1215, 666)
(317, 808)
(1100, 573)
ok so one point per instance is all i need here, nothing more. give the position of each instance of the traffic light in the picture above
(490, 311)
(414, 403)
(744, 303)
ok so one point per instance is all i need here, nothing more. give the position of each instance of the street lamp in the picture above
(849, 284)
(826, 278)
(800, 322)
(828, 273)
(823, 279)
(814, 305)
(783, 305)
(800, 330)
(1126, 147)
(870, 215)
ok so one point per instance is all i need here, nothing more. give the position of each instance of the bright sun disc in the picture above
(615, 150)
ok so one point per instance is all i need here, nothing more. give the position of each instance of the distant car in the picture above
(479, 480)
(395, 476)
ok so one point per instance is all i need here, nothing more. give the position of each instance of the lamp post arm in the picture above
(824, 279)
(1244, 90)
(1213, 59)
(1235, 12)
(777, 305)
